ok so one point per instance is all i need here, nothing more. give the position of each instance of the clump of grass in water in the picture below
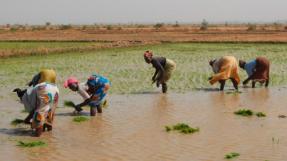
(182, 128)
(231, 155)
(69, 103)
(80, 119)
(17, 122)
(260, 114)
(233, 92)
(31, 144)
(244, 112)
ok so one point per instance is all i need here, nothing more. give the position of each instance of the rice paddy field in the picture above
(128, 72)
(192, 122)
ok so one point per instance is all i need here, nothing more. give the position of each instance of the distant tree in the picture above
(65, 27)
(48, 23)
(176, 24)
(251, 27)
(158, 25)
(109, 27)
(204, 25)
(226, 24)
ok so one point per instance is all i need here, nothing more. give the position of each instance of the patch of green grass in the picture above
(17, 122)
(80, 119)
(129, 73)
(244, 112)
(232, 155)
(260, 114)
(69, 104)
(182, 128)
(31, 144)
(234, 92)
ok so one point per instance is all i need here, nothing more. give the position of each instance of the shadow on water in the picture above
(147, 92)
(16, 131)
(208, 89)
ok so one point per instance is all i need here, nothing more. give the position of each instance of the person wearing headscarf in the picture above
(40, 102)
(45, 75)
(93, 92)
(163, 69)
(257, 70)
(225, 68)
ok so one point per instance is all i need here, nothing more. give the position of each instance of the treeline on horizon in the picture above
(204, 25)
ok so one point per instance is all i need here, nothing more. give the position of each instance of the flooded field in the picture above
(133, 128)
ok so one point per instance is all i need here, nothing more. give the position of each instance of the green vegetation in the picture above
(80, 119)
(260, 114)
(244, 112)
(128, 72)
(234, 92)
(69, 104)
(31, 144)
(247, 112)
(17, 122)
(231, 155)
(204, 25)
(182, 128)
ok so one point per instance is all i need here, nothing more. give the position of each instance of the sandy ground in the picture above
(149, 36)
(132, 128)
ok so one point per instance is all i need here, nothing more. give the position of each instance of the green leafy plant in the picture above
(69, 103)
(260, 114)
(244, 112)
(31, 144)
(233, 92)
(182, 128)
(80, 119)
(231, 155)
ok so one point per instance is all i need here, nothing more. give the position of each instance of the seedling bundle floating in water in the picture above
(260, 114)
(233, 92)
(80, 119)
(244, 112)
(231, 155)
(69, 104)
(247, 112)
(31, 144)
(182, 128)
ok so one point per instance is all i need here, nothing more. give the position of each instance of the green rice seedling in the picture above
(231, 155)
(80, 119)
(244, 112)
(69, 104)
(168, 129)
(260, 114)
(17, 122)
(128, 69)
(31, 144)
(182, 128)
(233, 92)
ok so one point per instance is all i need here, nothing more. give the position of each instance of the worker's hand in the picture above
(157, 84)
(78, 108)
(245, 82)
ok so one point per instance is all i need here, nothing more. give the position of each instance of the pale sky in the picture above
(140, 11)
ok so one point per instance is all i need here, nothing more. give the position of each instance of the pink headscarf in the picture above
(69, 81)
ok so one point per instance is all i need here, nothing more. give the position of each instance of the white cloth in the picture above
(83, 87)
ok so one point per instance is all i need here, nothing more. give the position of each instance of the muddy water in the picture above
(132, 128)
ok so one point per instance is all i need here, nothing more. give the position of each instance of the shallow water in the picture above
(132, 128)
